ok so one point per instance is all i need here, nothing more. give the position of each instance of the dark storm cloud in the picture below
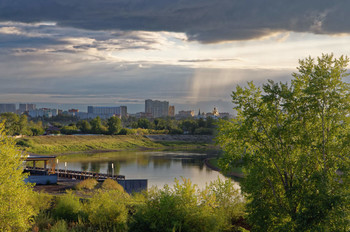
(203, 20)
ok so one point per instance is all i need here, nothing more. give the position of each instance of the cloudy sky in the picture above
(190, 52)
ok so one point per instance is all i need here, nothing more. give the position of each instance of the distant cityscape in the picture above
(153, 109)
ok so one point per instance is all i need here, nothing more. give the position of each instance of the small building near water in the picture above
(42, 169)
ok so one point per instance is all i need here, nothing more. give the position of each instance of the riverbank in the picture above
(67, 144)
(212, 163)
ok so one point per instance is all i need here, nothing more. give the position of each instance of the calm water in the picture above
(159, 168)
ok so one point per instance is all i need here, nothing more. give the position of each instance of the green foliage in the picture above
(107, 210)
(84, 126)
(203, 131)
(68, 207)
(14, 124)
(109, 184)
(15, 195)
(40, 202)
(88, 184)
(185, 208)
(60, 226)
(97, 127)
(69, 130)
(189, 125)
(114, 125)
(294, 142)
(143, 123)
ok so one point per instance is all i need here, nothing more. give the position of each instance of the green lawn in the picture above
(74, 143)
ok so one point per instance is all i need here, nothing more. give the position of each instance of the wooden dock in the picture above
(79, 175)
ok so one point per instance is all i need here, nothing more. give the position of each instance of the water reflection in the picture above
(158, 167)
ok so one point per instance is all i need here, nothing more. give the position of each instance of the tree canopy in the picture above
(293, 142)
(15, 195)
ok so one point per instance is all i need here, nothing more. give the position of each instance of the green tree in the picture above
(189, 125)
(15, 195)
(12, 124)
(84, 126)
(114, 125)
(144, 123)
(96, 126)
(293, 142)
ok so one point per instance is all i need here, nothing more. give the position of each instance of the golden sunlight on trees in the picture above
(15, 210)
(293, 141)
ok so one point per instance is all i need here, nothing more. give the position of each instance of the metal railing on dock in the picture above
(79, 175)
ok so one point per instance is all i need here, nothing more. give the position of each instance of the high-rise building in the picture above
(26, 107)
(171, 112)
(5, 108)
(185, 114)
(107, 111)
(157, 108)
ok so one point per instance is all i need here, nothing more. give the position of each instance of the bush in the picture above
(88, 184)
(68, 207)
(125, 131)
(110, 184)
(60, 226)
(203, 131)
(107, 210)
(181, 208)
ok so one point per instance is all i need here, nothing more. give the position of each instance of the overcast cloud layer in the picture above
(189, 52)
(202, 20)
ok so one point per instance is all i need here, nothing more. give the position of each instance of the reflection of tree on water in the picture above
(192, 162)
(142, 161)
(84, 166)
(116, 168)
(95, 167)
(161, 162)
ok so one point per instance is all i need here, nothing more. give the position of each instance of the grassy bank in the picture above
(76, 143)
(234, 171)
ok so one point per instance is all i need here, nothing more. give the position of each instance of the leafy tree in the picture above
(160, 124)
(114, 125)
(96, 126)
(15, 195)
(189, 125)
(69, 130)
(144, 123)
(84, 126)
(11, 123)
(294, 144)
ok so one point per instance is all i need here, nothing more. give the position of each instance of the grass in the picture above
(233, 171)
(74, 143)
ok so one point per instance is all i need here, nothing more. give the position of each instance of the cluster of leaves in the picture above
(19, 125)
(294, 144)
(180, 208)
(15, 196)
(189, 126)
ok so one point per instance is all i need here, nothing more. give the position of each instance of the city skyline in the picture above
(190, 53)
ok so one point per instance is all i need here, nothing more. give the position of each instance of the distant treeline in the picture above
(62, 124)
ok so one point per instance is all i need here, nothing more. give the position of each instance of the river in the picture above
(159, 167)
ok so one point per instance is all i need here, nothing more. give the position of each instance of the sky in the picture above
(192, 53)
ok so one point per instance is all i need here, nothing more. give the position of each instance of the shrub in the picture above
(88, 184)
(40, 202)
(68, 207)
(60, 226)
(110, 184)
(107, 210)
(181, 208)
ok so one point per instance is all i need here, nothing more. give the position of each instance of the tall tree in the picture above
(294, 144)
(84, 126)
(96, 126)
(114, 125)
(15, 210)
